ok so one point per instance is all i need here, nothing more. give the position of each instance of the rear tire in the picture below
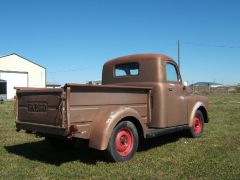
(123, 142)
(197, 125)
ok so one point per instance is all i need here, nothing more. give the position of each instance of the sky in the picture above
(74, 38)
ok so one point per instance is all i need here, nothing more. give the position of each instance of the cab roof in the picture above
(130, 58)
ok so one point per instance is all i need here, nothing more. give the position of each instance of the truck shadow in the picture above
(162, 140)
(42, 151)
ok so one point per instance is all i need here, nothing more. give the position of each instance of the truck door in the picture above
(175, 102)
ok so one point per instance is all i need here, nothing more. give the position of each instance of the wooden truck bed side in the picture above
(90, 107)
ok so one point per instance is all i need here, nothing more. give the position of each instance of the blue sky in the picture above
(74, 38)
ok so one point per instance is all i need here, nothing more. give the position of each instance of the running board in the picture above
(155, 132)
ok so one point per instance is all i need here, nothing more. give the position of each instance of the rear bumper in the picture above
(41, 128)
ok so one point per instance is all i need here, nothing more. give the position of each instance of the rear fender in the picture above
(105, 121)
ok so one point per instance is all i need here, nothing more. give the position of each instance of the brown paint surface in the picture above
(94, 110)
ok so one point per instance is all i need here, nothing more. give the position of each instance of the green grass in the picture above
(214, 156)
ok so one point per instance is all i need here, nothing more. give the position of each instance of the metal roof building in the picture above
(16, 71)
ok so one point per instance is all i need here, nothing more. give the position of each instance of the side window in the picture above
(171, 72)
(127, 69)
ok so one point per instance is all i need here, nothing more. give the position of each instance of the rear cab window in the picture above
(126, 70)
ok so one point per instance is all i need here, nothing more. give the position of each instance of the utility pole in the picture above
(178, 44)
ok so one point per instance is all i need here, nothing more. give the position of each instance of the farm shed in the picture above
(53, 85)
(16, 71)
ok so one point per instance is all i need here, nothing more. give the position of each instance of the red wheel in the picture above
(123, 142)
(197, 125)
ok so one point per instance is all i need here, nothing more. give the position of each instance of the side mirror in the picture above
(185, 83)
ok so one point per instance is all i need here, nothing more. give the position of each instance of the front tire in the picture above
(123, 142)
(197, 125)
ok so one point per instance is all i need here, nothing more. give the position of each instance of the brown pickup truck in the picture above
(142, 96)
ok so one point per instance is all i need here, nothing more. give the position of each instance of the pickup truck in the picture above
(141, 96)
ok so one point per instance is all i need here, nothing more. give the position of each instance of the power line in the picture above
(210, 45)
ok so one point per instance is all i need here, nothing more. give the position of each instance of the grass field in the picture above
(214, 156)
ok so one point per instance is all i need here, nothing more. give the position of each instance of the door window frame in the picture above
(177, 72)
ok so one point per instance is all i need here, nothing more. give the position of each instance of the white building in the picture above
(16, 71)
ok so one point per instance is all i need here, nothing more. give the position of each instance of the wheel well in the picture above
(204, 112)
(137, 125)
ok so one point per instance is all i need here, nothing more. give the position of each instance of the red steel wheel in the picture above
(197, 125)
(124, 142)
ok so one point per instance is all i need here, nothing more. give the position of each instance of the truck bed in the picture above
(72, 109)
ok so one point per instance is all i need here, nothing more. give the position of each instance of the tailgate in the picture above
(40, 107)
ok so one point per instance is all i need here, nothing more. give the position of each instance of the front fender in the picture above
(202, 104)
(104, 123)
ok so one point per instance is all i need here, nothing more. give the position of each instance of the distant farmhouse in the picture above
(206, 84)
(53, 85)
(16, 71)
(97, 82)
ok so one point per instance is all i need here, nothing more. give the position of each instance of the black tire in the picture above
(123, 142)
(197, 125)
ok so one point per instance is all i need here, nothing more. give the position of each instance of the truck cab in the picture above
(171, 99)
